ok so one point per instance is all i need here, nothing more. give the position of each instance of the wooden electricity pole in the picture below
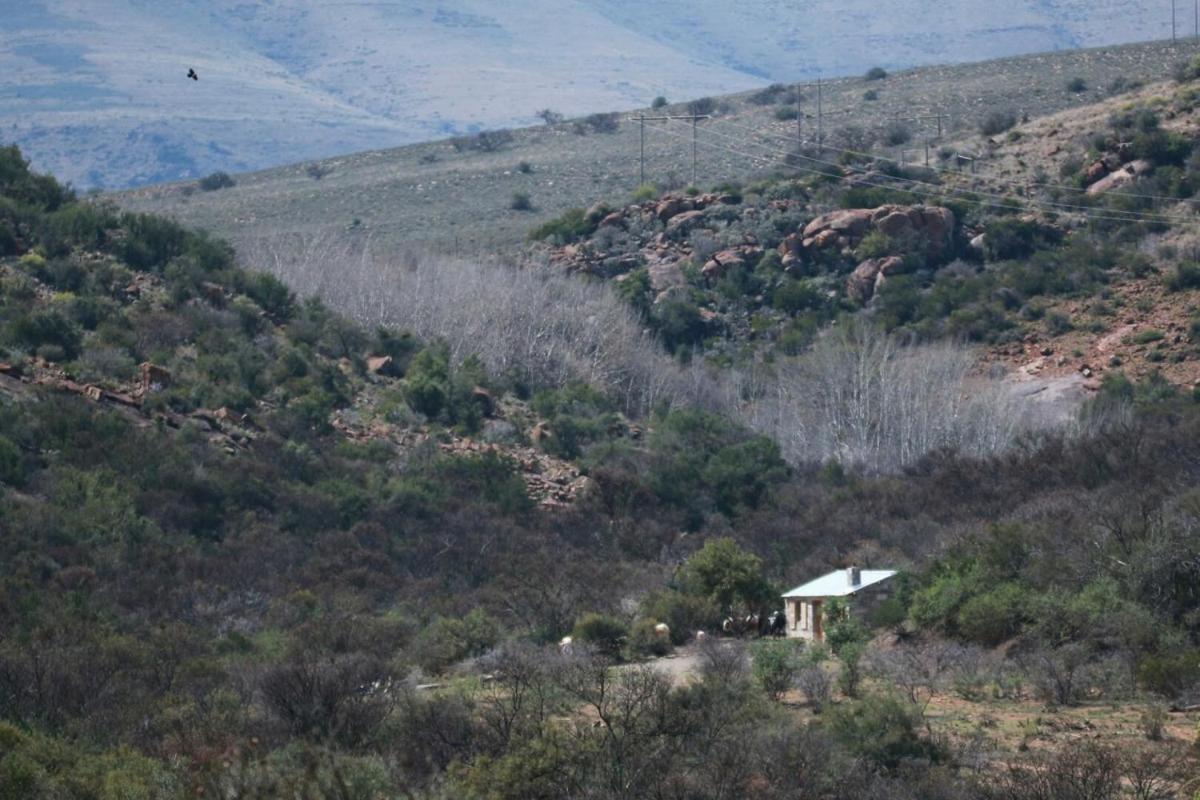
(694, 118)
(820, 121)
(642, 158)
(800, 119)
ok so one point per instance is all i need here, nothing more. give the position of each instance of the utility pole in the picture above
(800, 120)
(694, 118)
(642, 160)
(1172, 20)
(925, 117)
(820, 121)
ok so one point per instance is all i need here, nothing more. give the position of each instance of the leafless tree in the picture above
(815, 682)
(919, 670)
(859, 396)
(866, 400)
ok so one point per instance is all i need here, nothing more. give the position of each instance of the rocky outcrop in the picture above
(845, 229)
(1120, 177)
(869, 276)
(665, 275)
(681, 223)
(732, 258)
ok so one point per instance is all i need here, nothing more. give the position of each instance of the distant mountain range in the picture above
(96, 91)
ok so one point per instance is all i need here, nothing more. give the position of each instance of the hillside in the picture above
(102, 99)
(1068, 253)
(253, 548)
(458, 199)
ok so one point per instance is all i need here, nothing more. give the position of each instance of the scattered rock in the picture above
(384, 366)
(665, 275)
(869, 276)
(1121, 177)
(672, 206)
(685, 221)
(153, 378)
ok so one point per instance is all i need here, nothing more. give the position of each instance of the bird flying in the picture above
(192, 74)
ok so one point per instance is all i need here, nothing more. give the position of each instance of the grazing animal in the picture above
(727, 625)
(701, 636)
(565, 645)
(192, 74)
(662, 630)
(778, 623)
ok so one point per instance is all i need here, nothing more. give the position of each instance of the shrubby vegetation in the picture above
(186, 613)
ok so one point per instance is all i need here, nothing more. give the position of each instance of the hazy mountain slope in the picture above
(430, 195)
(96, 93)
(780, 39)
(102, 99)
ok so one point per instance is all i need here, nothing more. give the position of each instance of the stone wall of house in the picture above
(862, 603)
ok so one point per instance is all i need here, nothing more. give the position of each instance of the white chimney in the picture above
(853, 576)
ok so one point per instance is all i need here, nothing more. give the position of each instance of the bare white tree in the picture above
(858, 396)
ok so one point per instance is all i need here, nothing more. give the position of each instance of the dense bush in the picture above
(883, 730)
(570, 227)
(215, 181)
(998, 122)
(607, 634)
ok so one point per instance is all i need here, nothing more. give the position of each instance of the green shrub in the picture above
(12, 470)
(605, 122)
(1076, 85)
(994, 616)
(215, 181)
(1169, 674)
(572, 226)
(1013, 238)
(842, 628)
(726, 574)
(1185, 276)
(47, 328)
(884, 730)
(1162, 147)
(644, 639)
(684, 613)
(607, 634)
(644, 192)
(520, 202)
(775, 93)
(775, 666)
(896, 134)
(793, 296)
(998, 122)
(659, 102)
(678, 322)
(876, 74)
(448, 640)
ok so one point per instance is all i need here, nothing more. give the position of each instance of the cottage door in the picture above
(818, 632)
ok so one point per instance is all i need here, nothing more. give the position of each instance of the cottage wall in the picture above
(800, 610)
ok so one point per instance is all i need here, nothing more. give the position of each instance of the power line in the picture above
(939, 191)
(1132, 215)
(694, 117)
(995, 178)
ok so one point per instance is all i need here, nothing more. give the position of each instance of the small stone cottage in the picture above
(862, 589)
